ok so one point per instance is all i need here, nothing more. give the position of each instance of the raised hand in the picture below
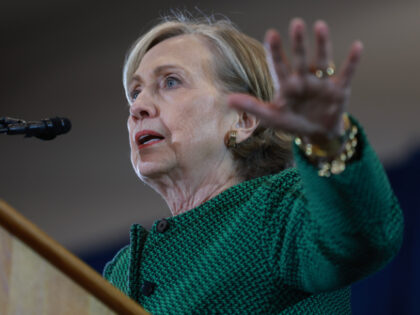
(309, 101)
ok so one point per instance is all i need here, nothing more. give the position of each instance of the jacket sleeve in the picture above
(338, 229)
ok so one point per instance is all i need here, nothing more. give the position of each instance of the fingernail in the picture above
(297, 20)
(359, 44)
(321, 27)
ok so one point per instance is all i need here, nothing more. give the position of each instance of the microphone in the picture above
(45, 129)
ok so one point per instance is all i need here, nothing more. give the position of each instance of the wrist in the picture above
(331, 156)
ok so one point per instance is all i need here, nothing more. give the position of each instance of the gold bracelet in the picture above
(329, 164)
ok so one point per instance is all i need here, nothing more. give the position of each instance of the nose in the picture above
(143, 107)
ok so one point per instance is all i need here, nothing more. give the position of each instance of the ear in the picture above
(245, 126)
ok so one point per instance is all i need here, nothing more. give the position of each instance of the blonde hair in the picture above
(240, 66)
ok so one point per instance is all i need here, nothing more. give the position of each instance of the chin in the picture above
(150, 169)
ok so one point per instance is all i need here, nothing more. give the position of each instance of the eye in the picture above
(171, 82)
(134, 95)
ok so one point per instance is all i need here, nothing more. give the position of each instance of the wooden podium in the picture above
(39, 276)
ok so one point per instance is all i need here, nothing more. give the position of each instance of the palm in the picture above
(304, 104)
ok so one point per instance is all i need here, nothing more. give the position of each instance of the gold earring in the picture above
(231, 139)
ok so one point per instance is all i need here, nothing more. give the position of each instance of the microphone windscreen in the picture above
(53, 127)
(60, 125)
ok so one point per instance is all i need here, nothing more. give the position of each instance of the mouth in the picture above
(147, 138)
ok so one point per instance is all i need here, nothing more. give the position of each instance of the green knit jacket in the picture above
(289, 243)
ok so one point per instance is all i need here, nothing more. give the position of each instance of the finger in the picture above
(349, 67)
(295, 124)
(323, 53)
(269, 114)
(277, 117)
(278, 58)
(297, 36)
(253, 105)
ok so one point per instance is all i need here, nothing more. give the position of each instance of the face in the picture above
(178, 117)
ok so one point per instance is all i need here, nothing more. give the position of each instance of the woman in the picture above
(249, 233)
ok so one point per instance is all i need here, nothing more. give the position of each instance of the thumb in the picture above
(245, 102)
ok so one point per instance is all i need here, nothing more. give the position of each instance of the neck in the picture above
(183, 190)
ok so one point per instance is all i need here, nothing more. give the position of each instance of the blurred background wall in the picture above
(65, 58)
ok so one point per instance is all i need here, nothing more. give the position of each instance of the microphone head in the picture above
(61, 125)
(53, 127)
